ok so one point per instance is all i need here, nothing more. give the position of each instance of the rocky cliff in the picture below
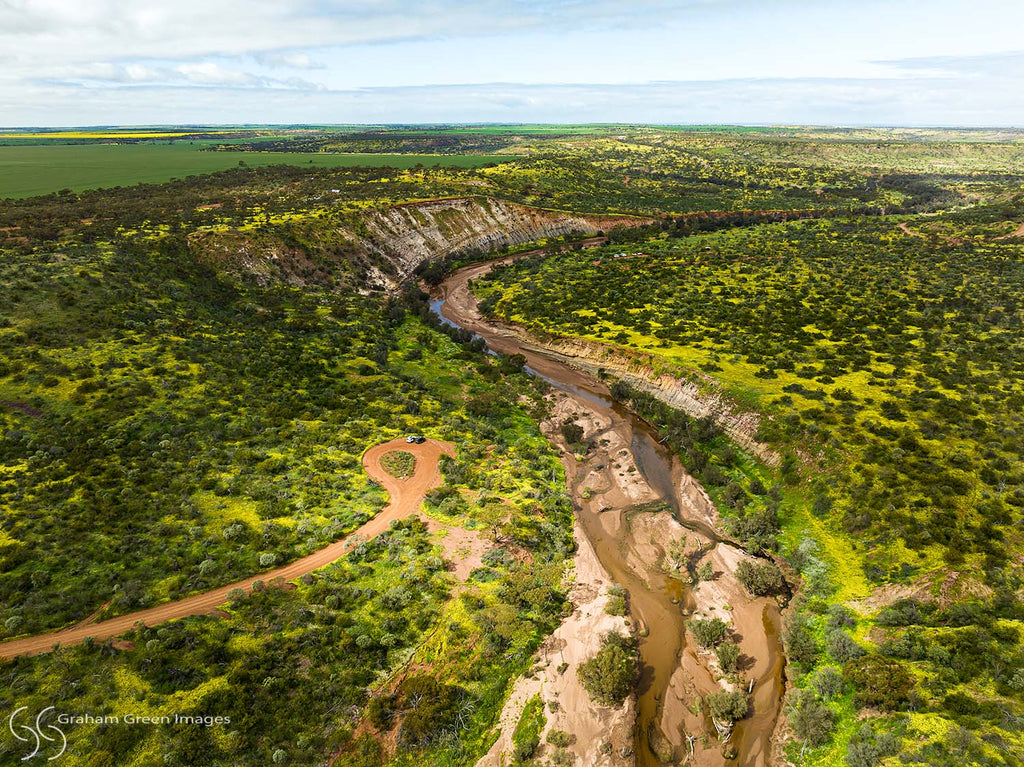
(377, 249)
(683, 394)
(405, 236)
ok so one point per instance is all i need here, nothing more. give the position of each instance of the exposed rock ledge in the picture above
(380, 248)
(696, 400)
(407, 235)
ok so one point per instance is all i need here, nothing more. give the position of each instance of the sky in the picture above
(821, 62)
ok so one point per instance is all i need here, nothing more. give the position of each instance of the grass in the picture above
(399, 463)
(531, 722)
(27, 171)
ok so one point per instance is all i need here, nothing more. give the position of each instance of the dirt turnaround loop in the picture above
(405, 496)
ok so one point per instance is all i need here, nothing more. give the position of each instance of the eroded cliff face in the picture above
(405, 236)
(680, 393)
(378, 249)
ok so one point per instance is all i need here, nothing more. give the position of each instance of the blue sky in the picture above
(849, 62)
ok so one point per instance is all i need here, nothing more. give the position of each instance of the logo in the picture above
(36, 735)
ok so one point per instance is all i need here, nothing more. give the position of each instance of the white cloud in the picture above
(795, 101)
(115, 61)
(205, 74)
(1003, 65)
(288, 60)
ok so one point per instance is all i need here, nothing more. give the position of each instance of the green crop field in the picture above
(26, 171)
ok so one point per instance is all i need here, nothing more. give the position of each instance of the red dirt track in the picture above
(405, 499)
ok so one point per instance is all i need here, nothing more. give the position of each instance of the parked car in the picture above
(415, 439)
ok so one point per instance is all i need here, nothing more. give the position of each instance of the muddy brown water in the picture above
(656, 599)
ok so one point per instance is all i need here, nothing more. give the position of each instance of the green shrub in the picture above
(610, 675)
(828, 682)
(727, 706)
(801, 647)
(559, 738)
(617, 601)
(841, 646)
(760, 578)
(526, 736)
(880, 682)
(728, 655)
(867, 747)
(811, 720)
(708, 633)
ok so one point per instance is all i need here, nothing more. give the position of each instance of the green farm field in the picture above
(26, 171)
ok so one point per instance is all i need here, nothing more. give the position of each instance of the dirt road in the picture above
(1018, 233)
(405, 498)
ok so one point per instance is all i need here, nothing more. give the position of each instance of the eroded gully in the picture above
(657, 599)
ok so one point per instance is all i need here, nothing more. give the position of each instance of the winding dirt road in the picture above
(405, 499)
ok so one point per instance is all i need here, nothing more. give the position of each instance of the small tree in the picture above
(609, 676)
(880, 682)
(728, 655)
(761, 578)
(708, 633)
(727, 707)
(812, 721)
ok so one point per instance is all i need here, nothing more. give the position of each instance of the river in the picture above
(657, 599)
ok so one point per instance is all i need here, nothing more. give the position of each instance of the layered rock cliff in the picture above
(680, 393)
(378, 249)
(405, 236)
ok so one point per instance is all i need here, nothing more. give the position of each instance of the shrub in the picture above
(728, 655)
(801, 648)
(828, 682)
(760, 578)
(880, 682)
(616, 601)
(708, 633)
(727, 706)
(381, 711)
(706, 571)
(841, 616)
(756, 530)
(905, 612)
(523, 750)
(526, 737)
(811, 720)
(572, 432)
(430, 708)
(609, 676)
(559, 738)
(867, 748)
(842, 647)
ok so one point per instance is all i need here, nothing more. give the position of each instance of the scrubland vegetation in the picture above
(173, 420)
(168, 427)
(886, 363)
